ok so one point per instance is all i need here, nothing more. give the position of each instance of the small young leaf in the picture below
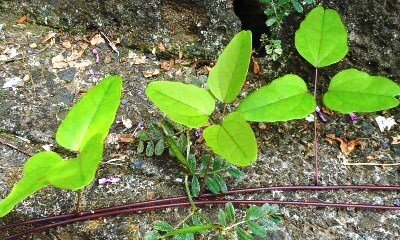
(92, 115)
(284, 99)
(191, 229)
(222, 218)
(144, 136)
(234, 140)
(309, 1)
(212, 185)
(242, 235)
(195, 186)
(176, 151)
(322, 38)
(152, 235)
(196, 221)
(270, 22)
(185, 104)
(163, 226)
(297, 6)
(168, 129)
(236, 173)
(221, 183)
(217, 164)
(256, 229)
(159, 148)
(204, 164)
(155, 132)
(140, 147)
(254, 213)
(192, 163)
(355, 91)
(182, 142)
(230, 212)
(229, 73)
(150, 149)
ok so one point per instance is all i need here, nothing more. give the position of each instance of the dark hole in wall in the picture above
(252, 17)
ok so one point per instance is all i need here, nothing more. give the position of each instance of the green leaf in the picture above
(222, 218)
(155, 132)
(236, 173)
(92, 115)
(230, 212)
(242, 235)
(253, 213)
(76, 173)
(177, 152)
(257, 229)
(204, 164)
(152, 235)
(140, 147)
(217, 164)
(221, 183)
(212, 185)
(144, 136)
(192, 163)
(355, 91)
(191, 229)
(195, 186)
(163, 226)
(34, 178)
(229, 73)
(322, 38)
(159, 148)
(297, 6)
(185, 104)
(270, 22)
(234, 140)
(150, 149)
(284, 99)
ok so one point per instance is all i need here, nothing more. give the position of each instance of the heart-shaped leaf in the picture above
(93, 114)
(228, 75)
(322, 38)
(355, 91)
(76, 173)
(233, 140)
(286, 98)
(183, 103)
(35, 172)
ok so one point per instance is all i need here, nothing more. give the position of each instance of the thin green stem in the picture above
(234, 225)
(188, 192)
(316, 157)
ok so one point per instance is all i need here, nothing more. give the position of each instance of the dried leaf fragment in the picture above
(256, 67)
(22, 20)
(346, 147)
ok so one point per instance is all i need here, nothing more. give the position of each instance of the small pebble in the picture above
(262, 126)
(33, 45)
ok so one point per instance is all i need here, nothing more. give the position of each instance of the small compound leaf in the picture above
(76, 173)
(253, 213)
(150, 149)
(155, 132)
(140, 147)
(92, 115)
(236, 173)
(229, 73)
(230, 212)
(152, 235)
(212, 185)
(163, 226)
(222, 218)
(159, 148)
(322, 38)
(144, 136)
(192, 163)
(234, 140)
(256, 229)
(205, 161)
(242, 235)
(217, 164)
(355, 91)
(297, 6)
(185, 104)
(221, 183)
(34, 178)
(195, 186)
(286, 98)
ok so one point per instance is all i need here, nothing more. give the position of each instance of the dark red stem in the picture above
(201, 203)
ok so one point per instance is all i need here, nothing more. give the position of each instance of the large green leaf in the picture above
(183, 103)
(228, 75)
(286, 98)
(234, 140)
(355, 91)
(48, 168)
(76, 173)
(93, 114)
(322, 38)
(35, 172)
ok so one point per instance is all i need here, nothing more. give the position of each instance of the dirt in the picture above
(31, 112)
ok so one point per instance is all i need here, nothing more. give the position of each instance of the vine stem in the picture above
(204, 196)
(201, 203)
(316, 157)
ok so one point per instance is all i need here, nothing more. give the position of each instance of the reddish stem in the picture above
(201, 203)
